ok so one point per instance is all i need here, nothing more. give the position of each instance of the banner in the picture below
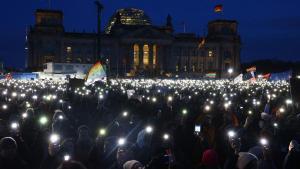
(130, 93)
(238, 79)
(281, 76)
(211, 75)
(96, 73)
(20, 76)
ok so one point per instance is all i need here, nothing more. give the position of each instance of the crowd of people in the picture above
(148, 124)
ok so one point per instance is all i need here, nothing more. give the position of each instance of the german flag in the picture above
(201, 43)
(218, 8)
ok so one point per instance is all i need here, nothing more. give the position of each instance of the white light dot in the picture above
(149, 129)
(54, 138)
(24, 115)
(67, 157)
(207, 108)
(125, 114)
(231, 134)
(102, 132)
(14, 125)
(4, 106)
(263, 141)
(121, 141)
(43, 120)
(166, 136)
(281, 110)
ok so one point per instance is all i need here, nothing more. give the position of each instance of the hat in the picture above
(257, 151)
(8, 142)
(83, 127)
(210, 158)
(132, 163)
(265, 116)
(245, 158)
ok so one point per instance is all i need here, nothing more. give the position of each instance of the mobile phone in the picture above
(198, 128)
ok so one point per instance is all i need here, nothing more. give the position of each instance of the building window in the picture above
(227, 66)
(135, 54)
(210, 53)
(69, 49)
(210, 65)
(68, 59)
(227, 55)
(154, 56)
(58, 67)
(69, 67)
(146, 55)
(79, 60)
(88, 60)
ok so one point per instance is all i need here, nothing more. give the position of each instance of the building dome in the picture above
(128, 16)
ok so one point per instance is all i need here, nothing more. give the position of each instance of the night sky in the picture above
(270, 29)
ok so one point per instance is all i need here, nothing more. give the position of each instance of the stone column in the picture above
(150, 55)
(141, 55)
(131, 56)
(160, 54)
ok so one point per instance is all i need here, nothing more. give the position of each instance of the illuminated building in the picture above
(128, 16)
(131, 45)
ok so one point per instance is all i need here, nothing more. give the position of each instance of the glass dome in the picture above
(128, 16)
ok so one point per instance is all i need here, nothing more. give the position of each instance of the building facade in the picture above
(131, 45)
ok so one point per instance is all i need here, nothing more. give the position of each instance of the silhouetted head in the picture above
(8, 148)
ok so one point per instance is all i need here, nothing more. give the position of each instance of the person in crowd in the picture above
(210, 159)
(189, 120)
(9, 156)
(292, 159)
(84, 145)
(133, 164)
(71, 165)
(246, 161)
